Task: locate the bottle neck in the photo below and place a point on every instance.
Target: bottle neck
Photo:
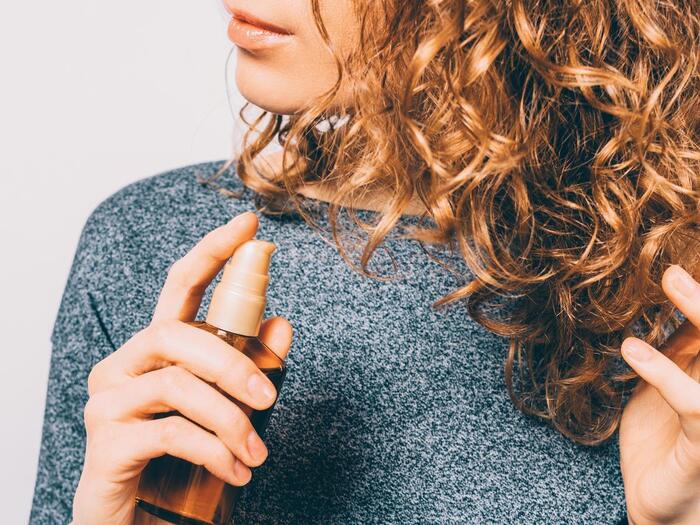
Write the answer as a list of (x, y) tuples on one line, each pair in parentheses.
[(236, 312), (238, 302)]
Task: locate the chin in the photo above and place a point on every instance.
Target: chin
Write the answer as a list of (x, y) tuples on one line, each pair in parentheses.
[(276, 88), (267, 85)]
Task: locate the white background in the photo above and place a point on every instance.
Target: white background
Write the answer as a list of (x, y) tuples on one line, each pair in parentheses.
[(93, 96)]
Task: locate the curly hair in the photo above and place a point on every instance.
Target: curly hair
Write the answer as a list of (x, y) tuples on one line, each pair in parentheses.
[(556, 144)]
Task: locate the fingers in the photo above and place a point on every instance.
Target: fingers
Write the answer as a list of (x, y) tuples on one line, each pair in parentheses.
[(174, 388), (189, 276), (684, 291), (176, 436), (276, 333), (679, 390), (202, 353)]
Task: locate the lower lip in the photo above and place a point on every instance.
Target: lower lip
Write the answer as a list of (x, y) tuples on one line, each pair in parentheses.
[(252, 37)]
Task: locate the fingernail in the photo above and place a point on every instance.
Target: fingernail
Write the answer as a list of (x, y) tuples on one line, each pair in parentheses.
[(242, 471), (684, 283), (256, 447), (260, 389), (637, 350)]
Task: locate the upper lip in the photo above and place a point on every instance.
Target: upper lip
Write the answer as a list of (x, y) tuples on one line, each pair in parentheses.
[(253, 20)]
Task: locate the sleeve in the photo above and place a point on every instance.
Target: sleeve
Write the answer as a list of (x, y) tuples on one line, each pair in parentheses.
[(78, 341)]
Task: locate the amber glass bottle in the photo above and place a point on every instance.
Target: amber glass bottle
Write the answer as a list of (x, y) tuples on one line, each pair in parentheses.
[(171, 488)]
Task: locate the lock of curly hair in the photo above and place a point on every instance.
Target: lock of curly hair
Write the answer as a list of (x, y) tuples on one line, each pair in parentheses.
[(556, 144)]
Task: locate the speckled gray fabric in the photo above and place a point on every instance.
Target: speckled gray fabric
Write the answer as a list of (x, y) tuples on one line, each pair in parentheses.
[(392, 411)]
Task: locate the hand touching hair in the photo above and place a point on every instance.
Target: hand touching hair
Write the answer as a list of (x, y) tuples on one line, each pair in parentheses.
[(555, 144)]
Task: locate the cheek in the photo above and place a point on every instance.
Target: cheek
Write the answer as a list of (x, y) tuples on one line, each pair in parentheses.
[(285, 80)]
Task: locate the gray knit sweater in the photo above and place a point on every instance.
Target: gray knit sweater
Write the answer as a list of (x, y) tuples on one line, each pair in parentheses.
[(392, 411)]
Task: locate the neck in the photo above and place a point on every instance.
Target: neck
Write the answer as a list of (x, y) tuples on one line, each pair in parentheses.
[(272, 163)]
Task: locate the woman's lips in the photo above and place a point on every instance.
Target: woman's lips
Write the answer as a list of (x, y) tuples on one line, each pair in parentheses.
[(251, 37), (251, 33)]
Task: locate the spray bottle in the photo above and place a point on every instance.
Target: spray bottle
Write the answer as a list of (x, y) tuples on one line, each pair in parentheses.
[(171, 488)]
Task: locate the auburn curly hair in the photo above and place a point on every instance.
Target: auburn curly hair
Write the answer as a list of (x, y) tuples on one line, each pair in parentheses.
[(556, 144)]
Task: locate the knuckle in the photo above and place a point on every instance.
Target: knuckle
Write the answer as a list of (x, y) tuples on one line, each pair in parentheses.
[(212, 237), (234, 420), (93, 412), (221, 455), (144, 332), (176, 271), (179, 275), (94, 378), (171, 429), (172, 378), (161, 331), (234, 365)]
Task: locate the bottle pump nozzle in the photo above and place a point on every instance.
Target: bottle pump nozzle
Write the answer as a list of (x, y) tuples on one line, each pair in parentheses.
[(238, 302)]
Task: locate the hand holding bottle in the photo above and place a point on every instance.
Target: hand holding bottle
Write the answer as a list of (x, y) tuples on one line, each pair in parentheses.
[(168, 366)]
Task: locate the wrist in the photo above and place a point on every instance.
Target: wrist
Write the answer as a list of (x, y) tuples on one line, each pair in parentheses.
[(97, 501)]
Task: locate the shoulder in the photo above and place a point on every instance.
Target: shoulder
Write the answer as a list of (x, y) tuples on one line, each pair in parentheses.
[(163, 194), (166, 199), (130, 239), (145, 223)]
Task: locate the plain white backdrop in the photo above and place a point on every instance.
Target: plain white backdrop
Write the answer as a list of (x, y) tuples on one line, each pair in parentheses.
[(93, 96)]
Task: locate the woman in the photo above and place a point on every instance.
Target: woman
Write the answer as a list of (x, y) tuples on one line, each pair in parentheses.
[(556, 151)]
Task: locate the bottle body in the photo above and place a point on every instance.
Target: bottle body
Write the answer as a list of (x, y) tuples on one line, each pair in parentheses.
[(180, 492)]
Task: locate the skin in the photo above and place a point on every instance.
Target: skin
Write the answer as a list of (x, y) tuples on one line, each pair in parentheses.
[(283, 79), (167, 364), (660, 428)]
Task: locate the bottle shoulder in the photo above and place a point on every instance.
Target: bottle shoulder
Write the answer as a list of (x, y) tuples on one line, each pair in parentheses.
[(251, 346)]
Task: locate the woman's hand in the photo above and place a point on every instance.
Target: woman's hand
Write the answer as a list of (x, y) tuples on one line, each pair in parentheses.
[(660, 428), (165, 367)]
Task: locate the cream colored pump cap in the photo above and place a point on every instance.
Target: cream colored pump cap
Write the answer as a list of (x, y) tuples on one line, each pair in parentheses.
[(238, 302)]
